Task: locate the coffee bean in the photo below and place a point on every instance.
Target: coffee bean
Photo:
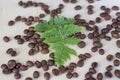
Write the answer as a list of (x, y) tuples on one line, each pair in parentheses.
[(88, 75), (17, 37), (94, 64), (69, 75), (24, 19), (82, 44), (118, 14), (9, 51), (115, 8), (42, 15), (78, 7), (47, 76), (87, 55), (90, 35), (92, 70), (20, 3), (66, 1), (99, 76), (80, 63), (36, 74), (116, 62), (90, 7), (15, 70), (17, 75), (28, 22), (109, 57), (90, 1), (118, 43), (117, 73), (18, 65), (36, 19), (75, 75), (20, 41), (45, 67), (51, 55), (90, 11), (26, 31), (38, 64), (14, 53), (94, 49), (18, 18), (31, 52), (77, 16), (36, 35), (61, 6), (105, 30), (29, 64), (11, 23), (107, 17), (91, 22), (6, 71), (115, 35), (97, 44), (107, 10), (28, 78), (4, 66), (31, 45), (107, 38), (23, 67), (109, 67), (55, 72), (6, 39), (101, 51), (44, 51), (50, 62), (11, 64), (103, 7), (117, 55), (98, 20), (73, 65), (108, 74)]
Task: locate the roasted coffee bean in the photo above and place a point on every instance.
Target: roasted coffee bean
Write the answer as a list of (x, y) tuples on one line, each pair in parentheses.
[(94, 64), (99, 76), (88, 75), (97, 44), (14, 53), (24, 19), (31, 28), (102, 7), (6, 71), (18, 65), (105, 30), (38, 64), (73, 1), (20, 41), (109, 57), (91, 22), (6, 39), (9, 51), (25, 31), (31, 52), (107, 38), (87, 55), (90, 35), (45, 67), (55, 72), (44, 51), (109, 67), (92, 70), (107, 17), (28, 22), (30, 3), (17, 37), (116, 62), (44, 62), (70, 69), (18, 18), (36, 74), (51, 55), (20, 3), (89, 28), (78, 7), (77, 16), (17, 75), (75, 74), (101, 51), (61, 6), (117, 73), (115, 8), (66, 1), (90, 7), (23, 67), (36, 35), (28, 78), (118, 43), (118, 14), (107, 10), (11, 64), (62, 69), (4, 66), (80, 63), (82, 44), (11, 23), (42, 15), (29, 64), (94, 49), (50, 62), (73, 65), (47, 76), (90, 1), (117, 55), (36, 19), (108, 74), (96, 39), (32, 45), (98, 20), (90, 11), (115, 35), (15, 70), (82, 36), (69, 75), (30, 33)]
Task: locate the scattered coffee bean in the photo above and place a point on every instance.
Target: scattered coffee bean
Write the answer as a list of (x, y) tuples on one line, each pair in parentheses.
[(51, 62), (109, 67), (99, 76), (28, 78), (11, 23), (4, 66), (90, 7), (101, 51), (55, 72), (94, 64), (117, 55), (92, 70), (38, 64), (90, 1), (23, 67), (45, 67), (69, 75), (31, 52), (118, 43), (6, 71), (116, 62), (36, 74), (62, 69), (29, 64), (11, 64), (44, 51), (75, 75), (115, 8), (108, 74), (6, 39), (82, 44), (17, 75), (98, 20), (73, 1), (20, 41), (15, 70), (80, 63), (94, 49), (78, 7), (42, 15), (9, 51), (117, 73), (109, 57), (18, 18), (14, 53), (66, 1), (47, 76)]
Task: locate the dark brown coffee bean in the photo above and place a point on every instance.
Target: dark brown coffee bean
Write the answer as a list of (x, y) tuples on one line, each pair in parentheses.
[(107, 38), (66, 1), (115, 8), (14, 53), (61, 6), (18, 18), (109, 57), (69, 75), (115, 35), (20, 41), (38, 64), (9, 51), (24, 19), (6, 71), (44, 51), (20, 3), (118, 43), (78, 7), (107, 17), (105, 30), (31, 52), (87, 55), (94, 64), (15, 70), (117, 55), (109, 67), (47, 76), (94, 49), (117, 73), (116, 62), (108, 74), (28, 22), (51, 55), (73, 1), (97, 44), (75, 74), (42, 15), (11, 23), (50, 62), (80, 63), (99, 76), (88, 75), (90, 35), (73, 65), (31, 45), (29, 64), (11, 64), (30, 3), (98, 20), (96, 39), (90, 11), (102, 7), (17, 37), (30, 33), (36, 19), (36, 35), (82, 44), (17, 75), (28, 78), (36, 74), (4, 66), (118, 14), (6, 39), (23, 67), (45, 67), (90, 7), (26, 31), (55, 72), (18, 65), (91, 22), (101, 51), (90, 1), (77, 16), (107, 10), (92, 70)]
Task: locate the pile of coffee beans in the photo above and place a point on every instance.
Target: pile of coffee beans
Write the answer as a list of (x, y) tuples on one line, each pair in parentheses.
[(36, 44)]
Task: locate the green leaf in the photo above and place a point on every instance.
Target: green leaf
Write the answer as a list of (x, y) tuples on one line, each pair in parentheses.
[(56, 32)]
